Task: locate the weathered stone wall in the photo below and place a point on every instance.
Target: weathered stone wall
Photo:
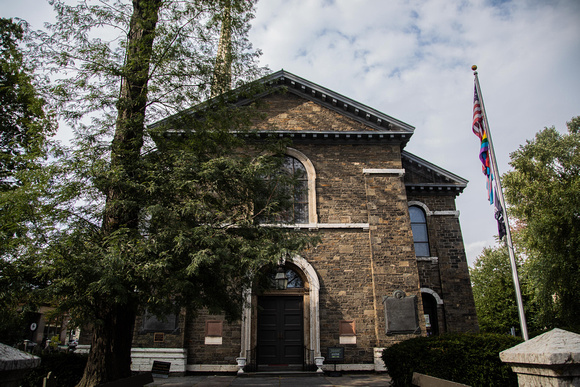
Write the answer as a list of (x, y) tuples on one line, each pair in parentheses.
[(198, 352), (174, 339), (449, 276), (286, 111), (372, 254)]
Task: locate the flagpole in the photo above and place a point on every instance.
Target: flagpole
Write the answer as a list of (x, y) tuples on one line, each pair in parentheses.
[(495, 171)]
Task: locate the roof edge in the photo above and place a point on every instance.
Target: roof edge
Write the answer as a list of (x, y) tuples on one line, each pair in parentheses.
[(451, 176)]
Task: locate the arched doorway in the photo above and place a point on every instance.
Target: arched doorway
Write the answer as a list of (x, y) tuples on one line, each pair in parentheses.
[(308, 295), (430, 311)]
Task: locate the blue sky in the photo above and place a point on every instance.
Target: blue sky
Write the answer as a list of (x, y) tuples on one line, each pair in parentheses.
[(411, 59)]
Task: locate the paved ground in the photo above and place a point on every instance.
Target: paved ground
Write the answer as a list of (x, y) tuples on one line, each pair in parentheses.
[(280, 380)]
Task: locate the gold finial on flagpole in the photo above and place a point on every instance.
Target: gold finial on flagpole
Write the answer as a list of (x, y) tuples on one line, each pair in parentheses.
[(474, 68)]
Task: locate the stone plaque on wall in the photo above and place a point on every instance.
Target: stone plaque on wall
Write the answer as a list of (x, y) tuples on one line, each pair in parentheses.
[(168, 325), (401, 313)]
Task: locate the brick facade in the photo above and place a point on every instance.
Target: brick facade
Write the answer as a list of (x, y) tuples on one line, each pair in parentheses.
[(364, 186)]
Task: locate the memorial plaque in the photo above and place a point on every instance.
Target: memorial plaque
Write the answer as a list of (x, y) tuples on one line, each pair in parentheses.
[(401, 314), (158, 337), (152, 324)]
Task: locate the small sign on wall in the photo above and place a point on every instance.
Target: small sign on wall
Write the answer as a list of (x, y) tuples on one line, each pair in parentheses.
[(160, 369)]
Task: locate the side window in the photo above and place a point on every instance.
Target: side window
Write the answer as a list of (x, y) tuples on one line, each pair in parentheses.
[(419, 227)]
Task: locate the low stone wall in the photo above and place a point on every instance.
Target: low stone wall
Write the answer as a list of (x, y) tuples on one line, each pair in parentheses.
[(212, 368), (142, 359)]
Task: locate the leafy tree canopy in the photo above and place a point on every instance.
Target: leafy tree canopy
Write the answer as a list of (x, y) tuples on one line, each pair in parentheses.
[(494, 293), (24, 124), (543, 191)]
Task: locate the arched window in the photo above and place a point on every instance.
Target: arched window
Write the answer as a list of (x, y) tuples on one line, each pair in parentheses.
[(298, 211), (419, 227), (295, 187)]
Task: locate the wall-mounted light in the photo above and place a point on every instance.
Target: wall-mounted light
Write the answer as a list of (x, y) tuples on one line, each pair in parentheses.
[(281, 279)]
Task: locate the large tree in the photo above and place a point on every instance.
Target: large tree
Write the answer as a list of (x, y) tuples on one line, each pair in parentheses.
[(24, 131), (494, 293), (137, 220), (543, 192)]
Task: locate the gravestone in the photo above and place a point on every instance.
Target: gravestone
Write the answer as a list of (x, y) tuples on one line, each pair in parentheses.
[(401, 314)]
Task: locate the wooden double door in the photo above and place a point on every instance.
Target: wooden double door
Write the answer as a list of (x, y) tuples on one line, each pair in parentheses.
[(280, 330)]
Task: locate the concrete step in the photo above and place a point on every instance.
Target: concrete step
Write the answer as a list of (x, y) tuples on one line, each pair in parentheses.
[(288, 373)]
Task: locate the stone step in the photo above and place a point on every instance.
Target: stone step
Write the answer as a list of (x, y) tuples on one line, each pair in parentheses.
[(281, 373)]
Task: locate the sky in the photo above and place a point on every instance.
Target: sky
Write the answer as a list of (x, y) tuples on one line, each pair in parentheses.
[(411, 59)]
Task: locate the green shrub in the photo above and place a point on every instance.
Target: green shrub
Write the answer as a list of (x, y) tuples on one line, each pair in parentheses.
[(463, 358), (67, 367)]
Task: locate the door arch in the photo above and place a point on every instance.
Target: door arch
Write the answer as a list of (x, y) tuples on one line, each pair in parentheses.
[(430, 312), (310, 307)]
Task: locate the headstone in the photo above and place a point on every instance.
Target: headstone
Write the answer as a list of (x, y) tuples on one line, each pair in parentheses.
[(401, 314)]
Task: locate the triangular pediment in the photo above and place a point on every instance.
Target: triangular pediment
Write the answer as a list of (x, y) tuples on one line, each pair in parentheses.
[(365, 123), (423, 176), (372, 119)]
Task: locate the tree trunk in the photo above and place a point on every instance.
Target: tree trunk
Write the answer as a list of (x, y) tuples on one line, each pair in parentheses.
[(110, 355), (123, 192)]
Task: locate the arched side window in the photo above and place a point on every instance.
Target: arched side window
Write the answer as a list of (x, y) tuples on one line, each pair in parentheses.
[(419, 227)]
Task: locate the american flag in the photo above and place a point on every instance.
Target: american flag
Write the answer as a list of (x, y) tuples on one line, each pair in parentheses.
[(477, 116)]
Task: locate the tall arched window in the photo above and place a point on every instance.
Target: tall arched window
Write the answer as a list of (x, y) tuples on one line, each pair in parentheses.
[(419, 227), (294, 188), (298, 211)]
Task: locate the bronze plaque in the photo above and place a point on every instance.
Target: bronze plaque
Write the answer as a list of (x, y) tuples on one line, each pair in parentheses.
[(401, 314)]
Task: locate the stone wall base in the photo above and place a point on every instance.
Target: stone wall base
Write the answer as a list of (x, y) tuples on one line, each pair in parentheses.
[(379, 363), (142, 359), (212, 368), (349, 367), (529, 375)]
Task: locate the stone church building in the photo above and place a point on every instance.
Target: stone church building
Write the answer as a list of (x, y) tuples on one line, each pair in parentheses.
[(390, 266)]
